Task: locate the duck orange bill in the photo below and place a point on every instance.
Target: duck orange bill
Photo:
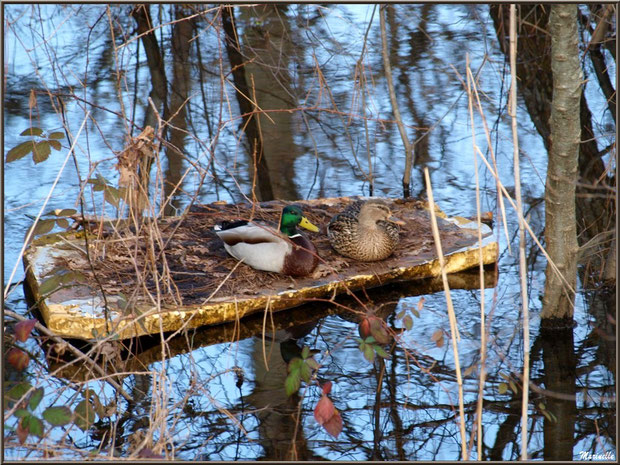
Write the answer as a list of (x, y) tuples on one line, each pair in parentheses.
[(304, 223), (393, 219)]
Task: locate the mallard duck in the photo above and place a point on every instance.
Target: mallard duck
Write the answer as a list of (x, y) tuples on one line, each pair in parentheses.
[(364, 231), (264, 248)]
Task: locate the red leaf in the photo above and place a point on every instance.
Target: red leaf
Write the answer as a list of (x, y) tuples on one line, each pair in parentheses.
[(23, 329), (18, 358), (22, 432), (327, 387), (324, 410), (334, 425)]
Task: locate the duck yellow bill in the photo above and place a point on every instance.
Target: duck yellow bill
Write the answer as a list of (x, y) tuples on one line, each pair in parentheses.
[(393, 219), (304, 223)]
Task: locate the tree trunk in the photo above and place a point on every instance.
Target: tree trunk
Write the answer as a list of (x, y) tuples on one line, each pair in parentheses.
[(565, 135)]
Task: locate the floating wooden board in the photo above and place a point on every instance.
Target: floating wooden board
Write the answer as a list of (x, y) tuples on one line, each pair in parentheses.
[(200, 284)]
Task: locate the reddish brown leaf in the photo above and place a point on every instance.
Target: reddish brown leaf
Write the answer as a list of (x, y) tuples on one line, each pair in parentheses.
[(23, 329), (324, 410), (438, 337), (327, 387), (378, 330), (420, 304), (18, 358), (364, 328), (334, 425), (22, 431), (32, 99)]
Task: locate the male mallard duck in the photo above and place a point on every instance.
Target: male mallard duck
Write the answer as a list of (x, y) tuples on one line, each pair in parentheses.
[(262, 247), (364, 231)]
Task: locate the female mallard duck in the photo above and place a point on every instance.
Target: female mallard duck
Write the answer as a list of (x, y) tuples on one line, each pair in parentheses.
[(262, 247), (364, 231)]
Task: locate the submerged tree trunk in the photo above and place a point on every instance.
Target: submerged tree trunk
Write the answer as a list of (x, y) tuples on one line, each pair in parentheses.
[(159, 89), (560, 221)]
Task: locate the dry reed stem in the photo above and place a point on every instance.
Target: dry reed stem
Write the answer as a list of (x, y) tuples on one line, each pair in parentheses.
[(453, 327), (512, 110), (483, 338)]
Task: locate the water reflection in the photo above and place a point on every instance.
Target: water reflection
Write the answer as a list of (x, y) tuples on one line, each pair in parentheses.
[(314, 74)]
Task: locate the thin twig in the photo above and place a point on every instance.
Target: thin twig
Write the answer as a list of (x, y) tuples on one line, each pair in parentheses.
[(77, 352), (512, 111), (452, 317)]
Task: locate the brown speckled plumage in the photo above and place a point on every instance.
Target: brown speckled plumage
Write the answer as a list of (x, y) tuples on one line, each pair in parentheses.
[(363, 231)]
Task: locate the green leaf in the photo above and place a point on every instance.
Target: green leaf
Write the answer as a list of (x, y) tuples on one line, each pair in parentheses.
[(295, 364), (17, 391), (381, 352), (44, 226), (370, 340), (50, 284), (408, 322), (62, 222), (97, 184), (292, 383), (312, 363), (55, 144), (34, 131), (35, 398), (41, 151), (401, 314), (502, 388), (19, 151), (58, 416), (111, 195), (34, 425), (369, 353), (305, 352), (65, 212), (306, 372), (22, 412), (542, 406), (57, 135), (84, 415)]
